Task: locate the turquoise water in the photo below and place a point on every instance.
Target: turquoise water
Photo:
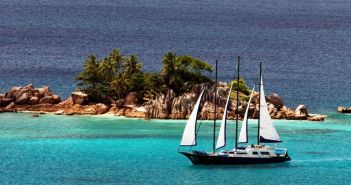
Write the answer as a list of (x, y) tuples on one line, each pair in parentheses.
[(110, 150)]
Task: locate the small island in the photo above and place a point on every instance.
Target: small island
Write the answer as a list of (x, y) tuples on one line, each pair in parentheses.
[(117, 85), (342, 109)]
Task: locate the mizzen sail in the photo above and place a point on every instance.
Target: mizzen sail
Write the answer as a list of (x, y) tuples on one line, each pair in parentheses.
[(267, 131), (189, 134)]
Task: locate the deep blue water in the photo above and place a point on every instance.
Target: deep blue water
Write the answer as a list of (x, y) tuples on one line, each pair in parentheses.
[(97, 150), (304, 45)]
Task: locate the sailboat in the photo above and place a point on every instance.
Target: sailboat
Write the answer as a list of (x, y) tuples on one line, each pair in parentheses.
[(252, 154)]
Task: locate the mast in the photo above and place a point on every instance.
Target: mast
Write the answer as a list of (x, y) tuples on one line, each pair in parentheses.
[(259, 106), (215, 113), (237, 104)]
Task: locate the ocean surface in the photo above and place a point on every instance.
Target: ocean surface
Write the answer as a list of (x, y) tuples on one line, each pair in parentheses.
[(304, 46), (109, 150)]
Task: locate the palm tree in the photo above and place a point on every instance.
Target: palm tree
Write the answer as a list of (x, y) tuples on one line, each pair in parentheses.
[(90, 75), (116, 58), (119, 86), (110, 66), (116, 75), (132, 66), (169, 68)]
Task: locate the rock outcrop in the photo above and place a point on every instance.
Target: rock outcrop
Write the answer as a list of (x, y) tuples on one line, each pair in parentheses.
[(33, 100), (301, 110), (120, 103), (276, 101), (170, 107), (5, 101), (131, 98), (10, 106), (79, 98), (93, 109), (344, 109), (162, 106), (28, 95), (317, 117), (51, 99), (23, 99)]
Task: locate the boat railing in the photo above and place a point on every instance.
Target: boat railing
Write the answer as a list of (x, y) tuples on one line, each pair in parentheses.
[(280, 151)]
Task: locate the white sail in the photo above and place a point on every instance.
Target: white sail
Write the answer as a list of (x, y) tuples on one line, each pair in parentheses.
[(243, 137), (221, 140), (189, 134), (267, 131)]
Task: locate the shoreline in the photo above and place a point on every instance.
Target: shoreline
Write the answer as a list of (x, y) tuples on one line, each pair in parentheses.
[(110, 115), (164, 106), (115, 117)]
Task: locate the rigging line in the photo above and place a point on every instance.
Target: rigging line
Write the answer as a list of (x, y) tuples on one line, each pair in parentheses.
[(237, 104), (197, 132), (200, 123), (256, 78)]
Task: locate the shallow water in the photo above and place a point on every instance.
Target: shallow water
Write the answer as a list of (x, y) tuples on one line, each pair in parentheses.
[(109, 150)]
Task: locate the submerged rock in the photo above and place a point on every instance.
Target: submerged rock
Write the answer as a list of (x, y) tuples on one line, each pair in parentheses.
[(317, 117)]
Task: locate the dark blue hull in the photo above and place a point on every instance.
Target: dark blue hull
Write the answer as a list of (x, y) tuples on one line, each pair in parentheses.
[(206, 159)]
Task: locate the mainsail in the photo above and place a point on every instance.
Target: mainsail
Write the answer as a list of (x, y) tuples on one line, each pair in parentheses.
[(243, 137), (189, 134), (267, 131), (221, 140)]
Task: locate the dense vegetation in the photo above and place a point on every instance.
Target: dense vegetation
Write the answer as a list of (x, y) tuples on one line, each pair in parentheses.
[(243, 88), (117, 74)]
